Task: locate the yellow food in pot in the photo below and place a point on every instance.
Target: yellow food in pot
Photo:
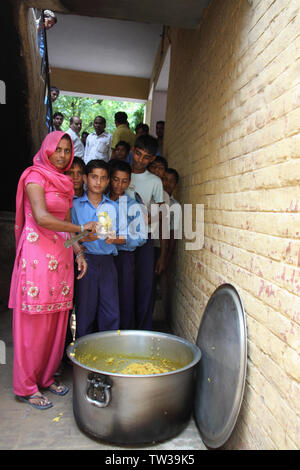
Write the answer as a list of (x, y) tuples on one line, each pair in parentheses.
[(143, 369), (110, 360), (127, 365)]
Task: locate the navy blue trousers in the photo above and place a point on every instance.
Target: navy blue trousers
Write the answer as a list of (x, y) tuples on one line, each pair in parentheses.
[(97, 297), (125, 263), (135, 278)]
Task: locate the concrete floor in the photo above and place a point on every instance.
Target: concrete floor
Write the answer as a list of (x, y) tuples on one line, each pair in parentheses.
[(24, 427)]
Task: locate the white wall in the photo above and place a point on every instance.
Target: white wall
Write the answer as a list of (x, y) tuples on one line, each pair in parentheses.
[(159, 105)]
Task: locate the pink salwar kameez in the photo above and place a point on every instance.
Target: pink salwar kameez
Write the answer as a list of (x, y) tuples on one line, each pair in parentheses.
[(41, 292)]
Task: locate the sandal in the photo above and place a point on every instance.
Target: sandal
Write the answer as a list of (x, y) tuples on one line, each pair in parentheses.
[(63, 389), (47, 404)]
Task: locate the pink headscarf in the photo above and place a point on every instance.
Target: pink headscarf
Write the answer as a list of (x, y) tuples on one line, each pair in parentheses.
[(41, 163)]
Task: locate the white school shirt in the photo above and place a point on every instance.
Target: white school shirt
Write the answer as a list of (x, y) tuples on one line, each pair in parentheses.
[(148, 186), (77, 144), (97, 147)]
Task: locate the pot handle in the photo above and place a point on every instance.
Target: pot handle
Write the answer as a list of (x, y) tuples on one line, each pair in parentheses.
[(99, 390)]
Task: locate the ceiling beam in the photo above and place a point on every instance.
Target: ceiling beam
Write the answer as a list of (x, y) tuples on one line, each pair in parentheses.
[(100, 84)]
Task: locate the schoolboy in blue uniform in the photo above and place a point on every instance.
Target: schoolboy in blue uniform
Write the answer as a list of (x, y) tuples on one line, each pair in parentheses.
[(133, 227), (96, 297), (149, 188), (76, 172)]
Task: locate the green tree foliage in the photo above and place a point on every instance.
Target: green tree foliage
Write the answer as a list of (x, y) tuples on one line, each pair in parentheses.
[(88, 108)]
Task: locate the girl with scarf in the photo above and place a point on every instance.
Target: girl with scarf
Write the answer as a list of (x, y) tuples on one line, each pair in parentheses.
[(41, 290)]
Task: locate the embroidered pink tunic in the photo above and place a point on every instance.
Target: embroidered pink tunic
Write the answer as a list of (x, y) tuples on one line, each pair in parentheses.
[(46, 274), (41, 291)]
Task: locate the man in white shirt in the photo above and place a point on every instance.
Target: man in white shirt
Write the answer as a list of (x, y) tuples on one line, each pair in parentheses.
[(98, 144), (74, 133)]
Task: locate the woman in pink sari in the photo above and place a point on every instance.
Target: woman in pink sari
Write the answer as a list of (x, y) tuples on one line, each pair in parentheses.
[(41, 291)]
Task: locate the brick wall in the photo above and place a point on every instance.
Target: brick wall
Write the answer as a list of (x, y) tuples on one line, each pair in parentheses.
[(232, 132)]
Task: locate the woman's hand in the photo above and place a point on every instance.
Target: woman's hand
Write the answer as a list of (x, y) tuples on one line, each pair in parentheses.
[(90, 226), (81, 265)]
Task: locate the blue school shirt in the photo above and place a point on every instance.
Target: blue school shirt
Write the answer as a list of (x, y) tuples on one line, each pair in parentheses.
[(83, 211), (131, 223)]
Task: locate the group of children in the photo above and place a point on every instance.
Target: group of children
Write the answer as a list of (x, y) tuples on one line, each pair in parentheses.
[(117, 291)]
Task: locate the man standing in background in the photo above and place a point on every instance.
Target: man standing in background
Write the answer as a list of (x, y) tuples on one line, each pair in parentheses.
[(54, 94), (98, 143), (74, 133), (122, 132), (84, 136), (58, 119), (160, 129)]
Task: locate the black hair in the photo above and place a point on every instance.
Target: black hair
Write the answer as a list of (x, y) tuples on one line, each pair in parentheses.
[(148, 143), (172, 171), (143, 126), (124, 144), (84, 132), (58, 114), (121, 117), (101, 117), (54, 88), (160, 122), (161, 159), (93, 164), (119, 165), (78, 161)]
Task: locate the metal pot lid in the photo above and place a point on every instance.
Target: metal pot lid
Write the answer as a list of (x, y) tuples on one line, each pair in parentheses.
[(221, 372)]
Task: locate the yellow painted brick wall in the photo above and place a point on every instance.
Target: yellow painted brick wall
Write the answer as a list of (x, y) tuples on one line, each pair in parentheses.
[(232, 132)]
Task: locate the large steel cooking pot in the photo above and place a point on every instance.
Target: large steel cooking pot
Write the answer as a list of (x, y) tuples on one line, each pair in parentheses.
[(134, 409)]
